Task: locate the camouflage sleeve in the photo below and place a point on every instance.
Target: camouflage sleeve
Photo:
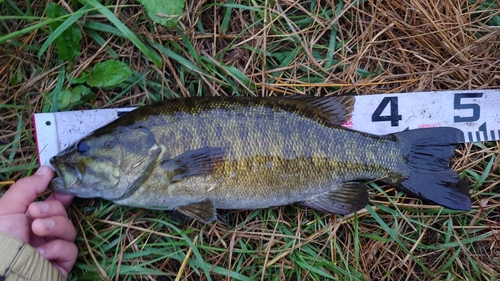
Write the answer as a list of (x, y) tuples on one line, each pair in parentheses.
[(20, 261)]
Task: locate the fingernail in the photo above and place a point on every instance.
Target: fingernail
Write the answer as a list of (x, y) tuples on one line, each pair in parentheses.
[(40, 250), (49, 223), (43, 207), (42, 170)]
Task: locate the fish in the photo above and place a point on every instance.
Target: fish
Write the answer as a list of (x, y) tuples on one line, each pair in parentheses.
[(197, 155)]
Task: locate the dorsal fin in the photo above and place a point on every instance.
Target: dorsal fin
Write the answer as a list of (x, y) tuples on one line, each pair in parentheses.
[(334, 109)]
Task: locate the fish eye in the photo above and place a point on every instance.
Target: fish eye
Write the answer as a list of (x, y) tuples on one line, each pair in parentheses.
[(82, 146)]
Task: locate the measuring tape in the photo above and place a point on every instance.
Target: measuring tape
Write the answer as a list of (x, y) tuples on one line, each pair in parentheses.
[(476, 113)]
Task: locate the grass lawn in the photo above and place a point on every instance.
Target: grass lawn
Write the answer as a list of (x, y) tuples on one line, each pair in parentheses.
[(111, 54)]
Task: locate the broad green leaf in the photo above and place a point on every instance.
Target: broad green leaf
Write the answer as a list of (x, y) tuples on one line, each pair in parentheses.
[(68, 42), (80, 79), (68, 23), (108, 74), (74, 97), (166, 13)]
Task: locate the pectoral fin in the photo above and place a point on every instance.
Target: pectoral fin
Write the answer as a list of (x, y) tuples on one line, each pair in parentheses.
[(350, 197), (204, 211), (195, 162)]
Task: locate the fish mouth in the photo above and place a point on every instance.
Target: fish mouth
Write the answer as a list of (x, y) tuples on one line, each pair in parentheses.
[(57, 184), (68, 176), (55, 166)]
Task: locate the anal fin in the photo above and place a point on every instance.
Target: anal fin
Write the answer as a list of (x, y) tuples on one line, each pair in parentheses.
[(204, 211), (350, 197)]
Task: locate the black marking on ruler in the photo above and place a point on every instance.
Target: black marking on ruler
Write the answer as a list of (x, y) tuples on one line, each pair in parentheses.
[(482, 128), (492, 132), (469, 134)]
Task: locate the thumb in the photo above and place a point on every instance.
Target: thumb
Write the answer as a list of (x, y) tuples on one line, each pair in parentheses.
[(24, 191)]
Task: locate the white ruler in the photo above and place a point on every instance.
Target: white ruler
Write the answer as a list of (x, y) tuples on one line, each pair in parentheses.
[(476, 113)]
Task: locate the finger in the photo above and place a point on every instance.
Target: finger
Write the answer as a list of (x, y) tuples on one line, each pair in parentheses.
[(59, 227), (65, 199), (24, 191), (45, 209), (62, 254)]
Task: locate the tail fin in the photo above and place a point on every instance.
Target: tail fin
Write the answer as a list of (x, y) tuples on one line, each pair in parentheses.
[(430, 177)]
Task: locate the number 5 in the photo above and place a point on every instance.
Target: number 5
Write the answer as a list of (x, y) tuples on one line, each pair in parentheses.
[(458, 105)]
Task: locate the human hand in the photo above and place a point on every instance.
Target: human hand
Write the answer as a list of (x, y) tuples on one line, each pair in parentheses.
[(43, 225)]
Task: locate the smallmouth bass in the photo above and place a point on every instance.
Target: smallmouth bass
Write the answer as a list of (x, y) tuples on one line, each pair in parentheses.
[(196, 155)]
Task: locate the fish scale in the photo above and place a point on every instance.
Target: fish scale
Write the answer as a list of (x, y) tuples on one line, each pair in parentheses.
[(199, 154)]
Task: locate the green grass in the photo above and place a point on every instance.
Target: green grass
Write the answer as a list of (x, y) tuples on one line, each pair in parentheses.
[(261, 47)]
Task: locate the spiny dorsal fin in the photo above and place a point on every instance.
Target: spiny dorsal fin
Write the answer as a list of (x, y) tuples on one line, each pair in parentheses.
[(334, 110), (350, 197)]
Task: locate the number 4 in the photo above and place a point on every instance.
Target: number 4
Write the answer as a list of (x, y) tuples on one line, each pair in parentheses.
[(394, 116)]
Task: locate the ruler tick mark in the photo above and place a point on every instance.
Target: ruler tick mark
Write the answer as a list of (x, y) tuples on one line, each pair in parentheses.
[(483, 129)]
